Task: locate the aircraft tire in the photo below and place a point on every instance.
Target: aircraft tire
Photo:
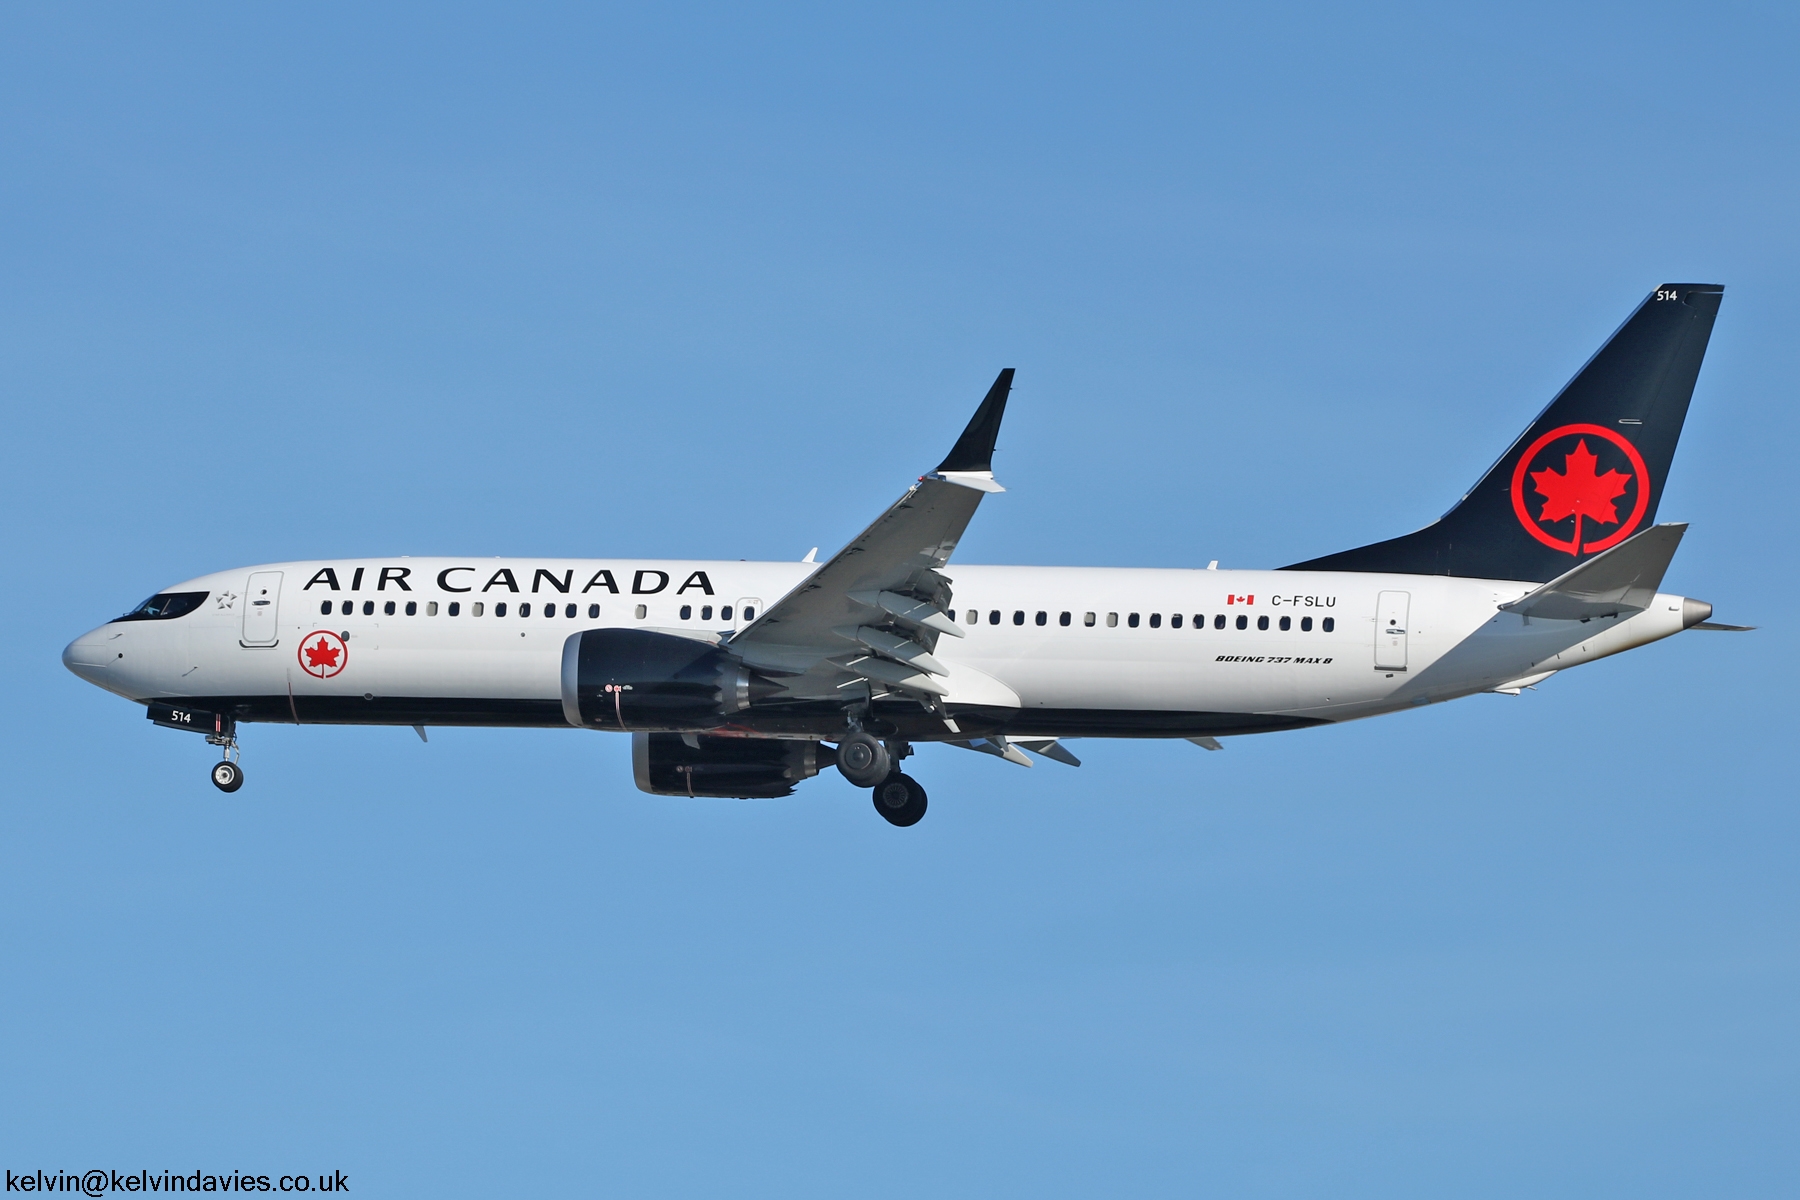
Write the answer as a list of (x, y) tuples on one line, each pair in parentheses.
[(900, 800), (863, 760), (227, 776)]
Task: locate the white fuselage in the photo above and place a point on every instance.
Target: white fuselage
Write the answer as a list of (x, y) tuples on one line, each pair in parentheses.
[(1134, 642)]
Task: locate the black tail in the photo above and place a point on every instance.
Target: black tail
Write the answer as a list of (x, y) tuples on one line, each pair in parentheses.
[(1589, 471)]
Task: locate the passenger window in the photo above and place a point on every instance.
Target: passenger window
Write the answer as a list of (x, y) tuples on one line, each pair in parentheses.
[(749, 613), (994, 617), (687, 612), (412, 608), (1043, 618), (388, 608), (1112, 620), (1174, 620), (524, 609), (1132, 620), (1287, 623), (1219, 621), (455, 608), (1087, 619), (1305, 624), (725, 612), (971, 617), (500, 609), (1328, 624), (1243, 622), (569, 611), (477, 608), (1156, 620), (642, 611), (593, 612), (1199, 620), (1018, 616), (431, 608), (368, 608), (325, 609), (1064, 619), (347, 608), (1262, 622), (706, 612)]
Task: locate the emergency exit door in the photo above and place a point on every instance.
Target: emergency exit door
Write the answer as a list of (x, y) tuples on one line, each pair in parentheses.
[(746, 613), (262, 599), (1390, 631)]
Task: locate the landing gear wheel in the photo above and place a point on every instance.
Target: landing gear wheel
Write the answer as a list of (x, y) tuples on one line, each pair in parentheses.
[(227, 776), (863, 760), (900, 800)]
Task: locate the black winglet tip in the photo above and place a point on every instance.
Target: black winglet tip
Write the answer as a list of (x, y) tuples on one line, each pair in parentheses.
[(974, 450)]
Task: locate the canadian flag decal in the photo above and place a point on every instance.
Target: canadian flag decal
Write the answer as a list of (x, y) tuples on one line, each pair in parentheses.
[(1240, 599)]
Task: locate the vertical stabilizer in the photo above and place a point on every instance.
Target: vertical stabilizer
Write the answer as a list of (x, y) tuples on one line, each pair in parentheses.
[(1586, 475)]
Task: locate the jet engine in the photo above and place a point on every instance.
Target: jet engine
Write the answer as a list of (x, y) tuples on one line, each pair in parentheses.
[(646, 681), (678, 764)]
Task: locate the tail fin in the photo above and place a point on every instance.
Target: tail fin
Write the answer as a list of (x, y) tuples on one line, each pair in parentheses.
[(1589, 471)]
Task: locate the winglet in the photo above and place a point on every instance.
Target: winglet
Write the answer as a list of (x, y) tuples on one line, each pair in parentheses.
[(974, 450)]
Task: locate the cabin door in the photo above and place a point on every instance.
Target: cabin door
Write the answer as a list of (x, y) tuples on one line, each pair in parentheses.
[(1390, 631), (262, 599)]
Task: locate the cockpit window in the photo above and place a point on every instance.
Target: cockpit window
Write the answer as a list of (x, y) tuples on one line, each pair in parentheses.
[(165, 606)]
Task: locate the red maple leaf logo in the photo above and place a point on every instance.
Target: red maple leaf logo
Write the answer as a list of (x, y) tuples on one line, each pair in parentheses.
[(322, 655), (1578, 492)]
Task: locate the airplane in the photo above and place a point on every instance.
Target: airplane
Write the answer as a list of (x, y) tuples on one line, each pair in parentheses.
[(742, 679)]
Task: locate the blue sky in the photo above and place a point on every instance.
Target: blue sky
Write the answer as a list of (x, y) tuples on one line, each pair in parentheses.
[(705, 282)]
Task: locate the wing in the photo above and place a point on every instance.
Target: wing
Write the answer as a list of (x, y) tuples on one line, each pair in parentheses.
[(874, 612)]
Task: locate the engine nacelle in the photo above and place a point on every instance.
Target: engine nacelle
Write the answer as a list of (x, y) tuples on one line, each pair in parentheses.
[(639, 679), (675, 764)]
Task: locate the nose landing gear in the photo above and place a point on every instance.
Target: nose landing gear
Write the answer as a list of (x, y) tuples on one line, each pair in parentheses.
[(227, 776)]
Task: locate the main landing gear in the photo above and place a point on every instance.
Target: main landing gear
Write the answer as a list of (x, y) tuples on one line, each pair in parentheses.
[(900, 800), (863, 760), (867, 762)]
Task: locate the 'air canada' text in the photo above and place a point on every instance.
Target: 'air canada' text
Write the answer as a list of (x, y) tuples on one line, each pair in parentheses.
[(645, 581)]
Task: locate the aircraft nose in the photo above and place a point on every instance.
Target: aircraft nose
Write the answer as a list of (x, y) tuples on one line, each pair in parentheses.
[(91, 654)]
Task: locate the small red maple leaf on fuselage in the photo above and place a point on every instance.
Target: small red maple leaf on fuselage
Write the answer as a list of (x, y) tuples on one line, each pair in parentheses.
[(1578, 492), (322, 655)]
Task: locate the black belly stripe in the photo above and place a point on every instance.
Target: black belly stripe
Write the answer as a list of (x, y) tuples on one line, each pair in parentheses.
[(814, 719)]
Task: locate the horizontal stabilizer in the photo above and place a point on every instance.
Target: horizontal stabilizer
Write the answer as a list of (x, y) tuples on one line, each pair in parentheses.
[(1622, 580), (1721, 627)]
